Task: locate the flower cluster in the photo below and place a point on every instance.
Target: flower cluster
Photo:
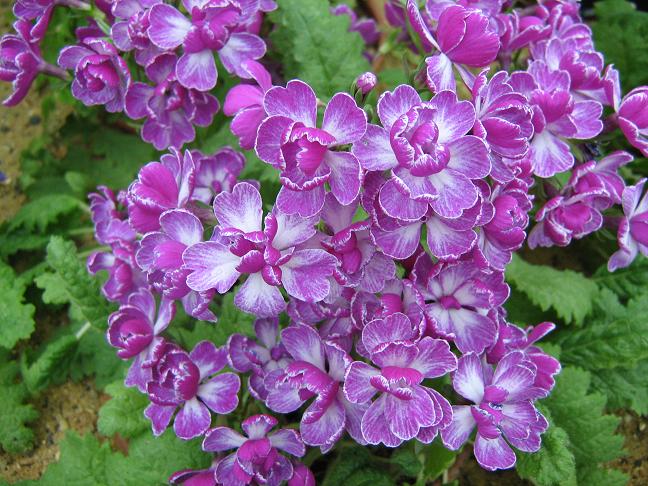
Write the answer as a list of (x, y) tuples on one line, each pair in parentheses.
[(384, 251)]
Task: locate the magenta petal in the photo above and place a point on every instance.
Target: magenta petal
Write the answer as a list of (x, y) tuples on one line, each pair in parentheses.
[(344, 120), (375, 427), (221, 439), (305, 276), (168, 27), (257, 297), (296, 102), (406, 417), (455, 193), (208, 358), (550, 155), (374, 150), (434, 359), (400, 206), (393, 104), (269, 139), (192, 420), (469, 156), (357, 387), (284, 400), (241, 47), (240, 209), (327, 429), (221, 393), (213, 266), (493, 454), (304, 203), (197, 70), (304, 344), (454, 117), (439, 75), (288, 440), (160, 416), (468, 380), (346, 176), (459, 430), (400, 243), (182, 226)]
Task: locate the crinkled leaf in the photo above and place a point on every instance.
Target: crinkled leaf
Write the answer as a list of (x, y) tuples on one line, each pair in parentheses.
[(124, 412), (16, 317), (316, 46), (43, 211), (82, 289), (53, 288), (438, 459), (52, 365), (407, 459), (95, 358), (569, 293), (624, 387), (15, 436), (625, 282)]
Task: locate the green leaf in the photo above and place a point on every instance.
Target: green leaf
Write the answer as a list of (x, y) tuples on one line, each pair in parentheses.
[(82, 289), (624, 387), (569, 293), (51, 365), (407, 459), (232, 320), (625, 282), (124, 412), (40, 213), (438, 459), (316, 46), (347, 461), (83, 462), (53, 288), (621, 34), (553, 464), (97, 359), (580, 413), (15, 436), (16, 317), (151, 460), (610, 341)]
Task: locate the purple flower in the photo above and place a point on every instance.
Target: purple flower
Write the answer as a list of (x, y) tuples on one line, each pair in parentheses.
[(216, 173), (101, 77), (245, 103), (633, 118), (188, 381), (458, 299), (512, 338), (366, 27), (210, 29), (463, 37), (302, 476), (160, 186), (129, 31), (111, 224), (503, 116), (360, 264), (195, 477), (405, 409), (257, 459), (517, 32), (503, 408), (366, 82), (269, 257), (170, 109), (562, 219), (41, 11), (260, 357), (135, 331), (556, 117), (505, 232), (425, 144), (21, 61), (633, 229), (290, 142), (316, 372)]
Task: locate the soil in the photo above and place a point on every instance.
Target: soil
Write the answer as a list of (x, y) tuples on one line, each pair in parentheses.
[(635, 464), (71, 406)]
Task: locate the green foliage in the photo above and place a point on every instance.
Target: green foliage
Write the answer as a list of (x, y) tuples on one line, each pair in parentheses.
[(591, 434), (621, 34), (436, 460), (53, 288), (351, 465), (553, 464), (51, 365), (16, 317), (610, 341), (124, 413), (569, 293), (151, 460), (95, 358), (316, 46), (81, 288), (38, 214), (625, 282), (15, 436), (625, 387)]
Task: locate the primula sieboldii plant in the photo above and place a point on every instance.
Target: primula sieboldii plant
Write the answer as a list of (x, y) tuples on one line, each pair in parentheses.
[(376, 272)]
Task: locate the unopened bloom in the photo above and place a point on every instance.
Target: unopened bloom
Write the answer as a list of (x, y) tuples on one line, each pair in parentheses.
[(257, 459), (366, 82), (189, 381), (101, 76), (290, 141), (633, 229), (405, 408), (503, 408)]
